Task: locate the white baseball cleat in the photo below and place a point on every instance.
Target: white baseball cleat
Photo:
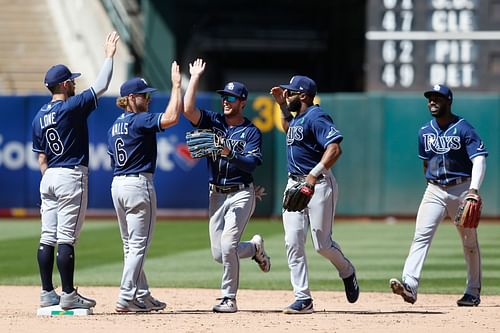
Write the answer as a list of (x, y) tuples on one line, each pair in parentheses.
[(260, 256), (49, 298), (153, 303), (74, 300), (134, 305), (227, 305), (402, 289)]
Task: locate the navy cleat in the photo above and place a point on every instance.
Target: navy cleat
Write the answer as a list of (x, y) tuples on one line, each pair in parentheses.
[(469, 300), (300, 306)]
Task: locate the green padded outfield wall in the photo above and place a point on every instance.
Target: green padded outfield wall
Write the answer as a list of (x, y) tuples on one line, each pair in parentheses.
[(379, 172)]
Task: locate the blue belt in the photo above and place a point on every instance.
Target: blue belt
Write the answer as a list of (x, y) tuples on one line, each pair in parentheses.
[(452, 182), (228, 188)]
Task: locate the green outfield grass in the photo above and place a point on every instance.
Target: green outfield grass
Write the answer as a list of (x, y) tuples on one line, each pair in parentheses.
[(180, 256)]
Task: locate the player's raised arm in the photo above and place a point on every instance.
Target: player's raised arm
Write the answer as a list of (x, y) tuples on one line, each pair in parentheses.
[(171, 115), (280, 98), (191, 112), (101, 84)]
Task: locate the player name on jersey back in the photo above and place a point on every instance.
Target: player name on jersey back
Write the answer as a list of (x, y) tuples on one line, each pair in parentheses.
[(48, 120), (119, 129)]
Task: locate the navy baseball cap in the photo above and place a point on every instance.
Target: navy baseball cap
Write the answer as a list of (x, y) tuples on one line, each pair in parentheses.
[(237, 89), (58, 74), (301, 83), (137, 85), (440, 89)]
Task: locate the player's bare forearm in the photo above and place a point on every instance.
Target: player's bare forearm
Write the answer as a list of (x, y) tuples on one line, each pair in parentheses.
[(330, 156), (42, 162), (286, 116), (172, 113), (279, 97), (284, 124), (191, 112)]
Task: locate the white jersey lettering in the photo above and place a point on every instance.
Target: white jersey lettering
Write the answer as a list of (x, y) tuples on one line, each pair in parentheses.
[(295, 133), (441, 144), (120, 129), (47, 120)]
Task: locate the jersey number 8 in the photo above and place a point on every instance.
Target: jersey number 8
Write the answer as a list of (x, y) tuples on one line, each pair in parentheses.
[(54, 141)]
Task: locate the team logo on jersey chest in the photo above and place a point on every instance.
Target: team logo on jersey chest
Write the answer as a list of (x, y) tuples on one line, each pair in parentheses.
[(441, 144), (237, 145), (295, 133)]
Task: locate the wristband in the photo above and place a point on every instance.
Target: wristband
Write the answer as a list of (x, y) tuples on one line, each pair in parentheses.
[(318, 169)]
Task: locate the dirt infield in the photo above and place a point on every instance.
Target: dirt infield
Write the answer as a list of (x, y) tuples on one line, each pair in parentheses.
[(189, 310)]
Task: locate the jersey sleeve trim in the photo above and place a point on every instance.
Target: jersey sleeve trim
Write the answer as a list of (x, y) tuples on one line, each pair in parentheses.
[(94, 95), (335, 139), (485, 153), (159, 123)]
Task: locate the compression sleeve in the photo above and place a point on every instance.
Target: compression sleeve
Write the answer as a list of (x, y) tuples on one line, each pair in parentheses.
[(101, 84), (478, 171)]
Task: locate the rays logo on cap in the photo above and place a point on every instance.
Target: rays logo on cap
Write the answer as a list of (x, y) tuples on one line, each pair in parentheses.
[(230, 86), (437, 87)]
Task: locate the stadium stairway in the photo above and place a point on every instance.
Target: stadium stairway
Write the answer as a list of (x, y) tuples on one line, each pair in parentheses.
[(29, 45)]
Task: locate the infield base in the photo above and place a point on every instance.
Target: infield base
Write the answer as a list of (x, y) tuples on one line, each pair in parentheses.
[(56, 310)]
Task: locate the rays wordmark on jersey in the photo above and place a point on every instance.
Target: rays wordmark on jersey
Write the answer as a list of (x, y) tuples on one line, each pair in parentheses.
[(237, 145), (441, 144), (295, 133)]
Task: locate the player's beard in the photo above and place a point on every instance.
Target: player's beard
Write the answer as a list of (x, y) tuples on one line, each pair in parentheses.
[(143, 107), (441, 111), (294, 105)]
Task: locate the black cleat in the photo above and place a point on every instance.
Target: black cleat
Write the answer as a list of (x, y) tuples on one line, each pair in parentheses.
[(469, 300), (351, 288)]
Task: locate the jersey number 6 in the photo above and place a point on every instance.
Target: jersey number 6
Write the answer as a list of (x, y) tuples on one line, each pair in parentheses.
[(120, 153)]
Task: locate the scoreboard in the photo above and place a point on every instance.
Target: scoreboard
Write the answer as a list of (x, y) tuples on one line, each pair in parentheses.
[(413, 44)]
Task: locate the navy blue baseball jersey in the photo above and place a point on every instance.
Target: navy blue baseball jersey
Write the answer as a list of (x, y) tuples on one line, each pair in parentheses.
[(449, 151), (132, 142), (244, 140), (307, 138), (60, 130)]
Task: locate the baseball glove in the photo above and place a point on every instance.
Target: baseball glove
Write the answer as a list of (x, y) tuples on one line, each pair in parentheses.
[(204, 143), (469, 211), (297, 197)]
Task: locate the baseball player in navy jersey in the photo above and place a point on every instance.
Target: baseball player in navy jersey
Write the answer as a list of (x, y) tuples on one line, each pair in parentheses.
[(60, 137), (313, 147), (232, 194), (132, 146), (454, 160)]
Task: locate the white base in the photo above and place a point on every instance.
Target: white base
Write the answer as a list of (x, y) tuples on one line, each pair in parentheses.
[(56, 310)]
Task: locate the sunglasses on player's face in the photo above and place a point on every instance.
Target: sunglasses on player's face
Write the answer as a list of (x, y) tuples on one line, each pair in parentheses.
[(291, 93), (229, 98), (146, 96)]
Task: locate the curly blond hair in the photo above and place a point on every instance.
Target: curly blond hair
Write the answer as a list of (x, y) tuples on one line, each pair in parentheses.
[(122, 102)]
